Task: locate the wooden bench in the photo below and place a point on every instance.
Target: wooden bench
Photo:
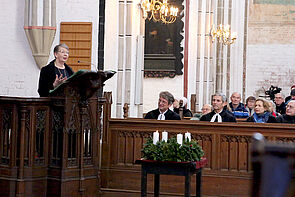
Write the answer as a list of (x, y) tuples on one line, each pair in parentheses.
[(226, 146)]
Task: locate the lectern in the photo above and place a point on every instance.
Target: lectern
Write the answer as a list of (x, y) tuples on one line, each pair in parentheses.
[(50, 146)]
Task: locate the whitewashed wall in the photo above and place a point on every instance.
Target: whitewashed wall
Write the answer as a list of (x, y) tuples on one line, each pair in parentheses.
[(153, 86), (18, 72)]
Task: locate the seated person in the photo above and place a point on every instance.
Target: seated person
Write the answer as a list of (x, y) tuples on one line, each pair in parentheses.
[(186, 112), (289, 117), (289, 97), (272, 108), (218, 114), (207, 108), (238, 108), (280, 104), (250, 104), (163, 112), (292, 96), (261, 112)]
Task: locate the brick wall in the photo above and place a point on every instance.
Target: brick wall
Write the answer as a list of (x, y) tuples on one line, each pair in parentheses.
[(271, 47), (271, 64)]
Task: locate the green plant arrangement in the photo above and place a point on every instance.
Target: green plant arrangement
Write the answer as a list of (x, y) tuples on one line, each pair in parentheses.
[(189, 151)]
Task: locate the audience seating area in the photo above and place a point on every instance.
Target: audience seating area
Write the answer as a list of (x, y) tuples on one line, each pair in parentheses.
[(227, 147), (33, 165)]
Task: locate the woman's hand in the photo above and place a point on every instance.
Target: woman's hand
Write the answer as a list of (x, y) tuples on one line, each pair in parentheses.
[(58, 80)]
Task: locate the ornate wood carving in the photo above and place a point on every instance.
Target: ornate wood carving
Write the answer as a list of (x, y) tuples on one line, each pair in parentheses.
[(45, 151), (57, 138), (40, 138), (27, 138), (235, 138), (6, 136), (286, 139), (87, 134)]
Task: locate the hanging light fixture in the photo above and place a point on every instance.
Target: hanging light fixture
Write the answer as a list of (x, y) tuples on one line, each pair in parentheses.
[(159, 11), (223, 34)]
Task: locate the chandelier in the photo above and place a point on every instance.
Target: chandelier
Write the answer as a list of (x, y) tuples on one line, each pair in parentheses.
[(159, 11), (223, 34)]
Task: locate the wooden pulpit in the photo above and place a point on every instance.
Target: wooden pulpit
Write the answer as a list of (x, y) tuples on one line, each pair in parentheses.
[(50, 146)]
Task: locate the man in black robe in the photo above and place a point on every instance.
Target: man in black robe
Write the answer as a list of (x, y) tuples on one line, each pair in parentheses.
[(219, 114), (163, 112)]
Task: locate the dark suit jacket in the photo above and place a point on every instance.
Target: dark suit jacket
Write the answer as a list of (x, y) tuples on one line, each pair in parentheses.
[(47, 77), (169, 115), (286, 119), (226, 116)]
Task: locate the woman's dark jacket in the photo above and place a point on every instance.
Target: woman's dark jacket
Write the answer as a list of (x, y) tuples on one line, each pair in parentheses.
[(47, 77), (271, 119), (186, 112)]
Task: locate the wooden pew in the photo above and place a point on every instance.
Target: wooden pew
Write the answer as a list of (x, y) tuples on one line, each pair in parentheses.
[(226, 146)]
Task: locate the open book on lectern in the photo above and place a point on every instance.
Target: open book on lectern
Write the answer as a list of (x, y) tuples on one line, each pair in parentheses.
[(86, 79)]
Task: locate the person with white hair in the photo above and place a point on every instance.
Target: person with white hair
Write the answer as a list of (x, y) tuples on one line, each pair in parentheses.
[(280, 104), (289, 117), (176, 106), (56, 72)]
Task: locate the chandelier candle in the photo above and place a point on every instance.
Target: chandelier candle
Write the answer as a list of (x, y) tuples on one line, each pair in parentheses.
[(179, 138), (187, 135), (155, 137), (164, 136)]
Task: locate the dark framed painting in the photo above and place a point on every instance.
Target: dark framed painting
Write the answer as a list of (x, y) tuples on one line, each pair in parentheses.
[(163, 52)]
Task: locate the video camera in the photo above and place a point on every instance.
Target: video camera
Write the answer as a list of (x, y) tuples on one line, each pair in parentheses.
[(272, 91)]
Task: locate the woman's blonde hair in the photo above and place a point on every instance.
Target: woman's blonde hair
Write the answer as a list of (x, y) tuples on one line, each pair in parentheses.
[(265, 103)]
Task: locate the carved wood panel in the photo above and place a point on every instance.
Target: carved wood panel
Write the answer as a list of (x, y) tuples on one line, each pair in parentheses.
[(6, 136), (40, 138), (235, 153), (57, 138)]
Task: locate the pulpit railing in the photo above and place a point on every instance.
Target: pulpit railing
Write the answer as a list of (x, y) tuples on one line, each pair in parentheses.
[(50, 146)]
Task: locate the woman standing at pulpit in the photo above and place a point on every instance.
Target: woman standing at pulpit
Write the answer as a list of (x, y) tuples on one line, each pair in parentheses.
[(56, 72), (262, 112)]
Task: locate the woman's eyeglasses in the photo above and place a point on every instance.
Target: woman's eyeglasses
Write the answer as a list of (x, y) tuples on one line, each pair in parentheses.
[(64, 52)]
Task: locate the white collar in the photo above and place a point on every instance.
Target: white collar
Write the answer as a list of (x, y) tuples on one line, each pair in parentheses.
[(164, 111)]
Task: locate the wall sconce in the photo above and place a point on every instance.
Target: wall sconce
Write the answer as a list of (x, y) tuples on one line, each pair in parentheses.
[(223, 34), (159, 11)]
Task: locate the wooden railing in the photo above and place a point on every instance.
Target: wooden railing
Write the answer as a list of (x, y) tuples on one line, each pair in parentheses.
[(51, 146), (226, 146)]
